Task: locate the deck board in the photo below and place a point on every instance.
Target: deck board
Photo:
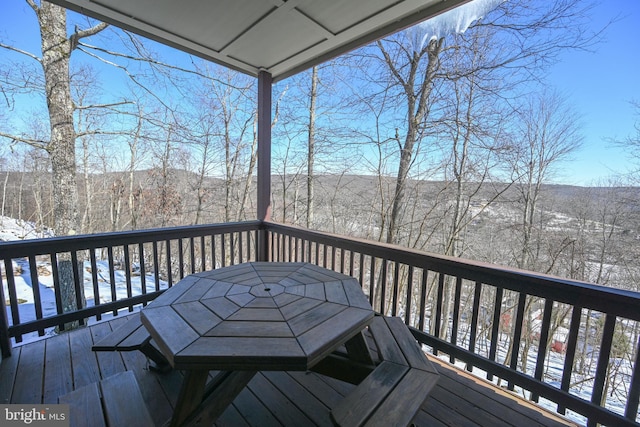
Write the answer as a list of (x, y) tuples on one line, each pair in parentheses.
[(39, 370), (57, 377), (85, 363), (28, 385), (8, 370)]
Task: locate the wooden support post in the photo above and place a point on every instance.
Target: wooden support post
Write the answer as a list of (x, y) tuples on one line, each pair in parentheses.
[(264, 161), (5, 341)]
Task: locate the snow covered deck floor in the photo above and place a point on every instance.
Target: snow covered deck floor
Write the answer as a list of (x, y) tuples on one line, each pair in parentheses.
[(40, 371)]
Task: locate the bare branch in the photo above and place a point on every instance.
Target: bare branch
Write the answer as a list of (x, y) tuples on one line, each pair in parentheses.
[(90, 31), (101, 132), (77, 35), (91, 106), (20, 51), (33, 5), (148, 60), (32, 142)]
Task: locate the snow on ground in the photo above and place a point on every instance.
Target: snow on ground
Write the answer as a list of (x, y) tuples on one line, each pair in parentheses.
[(12, 230), (16, 229)]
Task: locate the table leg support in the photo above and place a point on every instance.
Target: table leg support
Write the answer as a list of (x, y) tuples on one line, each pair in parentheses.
[(225, 387), (191, 394), (358, 349)]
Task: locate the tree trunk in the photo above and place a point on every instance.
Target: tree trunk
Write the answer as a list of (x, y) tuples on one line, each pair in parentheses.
[(56, 53), (417, 102), (4, 191), (312, 146)]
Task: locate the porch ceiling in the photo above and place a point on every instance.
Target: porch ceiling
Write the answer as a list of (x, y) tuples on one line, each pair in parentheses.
[(277, 36)]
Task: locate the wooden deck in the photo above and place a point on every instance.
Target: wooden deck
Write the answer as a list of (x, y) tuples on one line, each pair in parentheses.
[(40, 371)]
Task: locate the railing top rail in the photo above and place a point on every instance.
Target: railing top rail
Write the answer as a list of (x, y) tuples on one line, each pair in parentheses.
[(621, 302), (24, 248)]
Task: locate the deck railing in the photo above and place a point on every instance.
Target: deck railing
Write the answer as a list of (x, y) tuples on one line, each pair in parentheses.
[(569, 345), (119, 270)]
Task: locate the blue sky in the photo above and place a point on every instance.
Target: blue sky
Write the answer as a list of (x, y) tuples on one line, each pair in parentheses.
[(599, 84)]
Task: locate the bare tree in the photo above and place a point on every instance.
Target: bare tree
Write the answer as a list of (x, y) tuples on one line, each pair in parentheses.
[(311, 146), (416, 84), (57, 47), (632, 145), (548, 134), (525, 38)]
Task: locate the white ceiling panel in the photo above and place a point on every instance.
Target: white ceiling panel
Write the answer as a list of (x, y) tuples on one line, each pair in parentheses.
[(281, 37)]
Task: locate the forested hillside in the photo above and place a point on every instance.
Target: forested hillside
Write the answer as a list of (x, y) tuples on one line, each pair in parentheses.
[(582, 233)]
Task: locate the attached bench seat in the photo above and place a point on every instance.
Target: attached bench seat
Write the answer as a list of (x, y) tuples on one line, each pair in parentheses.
[(114, 401), (134, 336), (396, 389)]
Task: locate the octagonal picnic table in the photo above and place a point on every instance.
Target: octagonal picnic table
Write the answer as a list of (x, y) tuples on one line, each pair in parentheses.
[(250, 317)]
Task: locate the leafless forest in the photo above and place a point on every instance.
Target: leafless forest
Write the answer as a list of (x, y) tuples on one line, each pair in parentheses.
[(451, 144), (582, 233)]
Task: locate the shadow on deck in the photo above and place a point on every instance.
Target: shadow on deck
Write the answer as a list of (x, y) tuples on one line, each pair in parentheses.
[(40, 371)]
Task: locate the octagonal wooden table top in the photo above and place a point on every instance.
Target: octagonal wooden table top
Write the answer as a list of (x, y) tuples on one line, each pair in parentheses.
[(257, 316)]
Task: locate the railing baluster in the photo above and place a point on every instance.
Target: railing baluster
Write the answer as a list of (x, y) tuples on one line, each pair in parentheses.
[(439, 301), (633, 399), (94, 280), (56, 289), (408, 295), (232, 248), (495, 328), (223, 250), (127, 273), (333, 258), (112, 276), (13, 297), (5, 339), (395, 289), (203, 254), (372, 278), (77, 270), (169, 266), (477, 294), (569, 357), (214, 262), (180, 259), (517, 335), (361, 272), (383, 285), (156, 265), (275, 246), (35, 286), (456, 314), (192, 254), (423, 298), (608, 332), (306, 247), (352, 257), (143, 270)]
